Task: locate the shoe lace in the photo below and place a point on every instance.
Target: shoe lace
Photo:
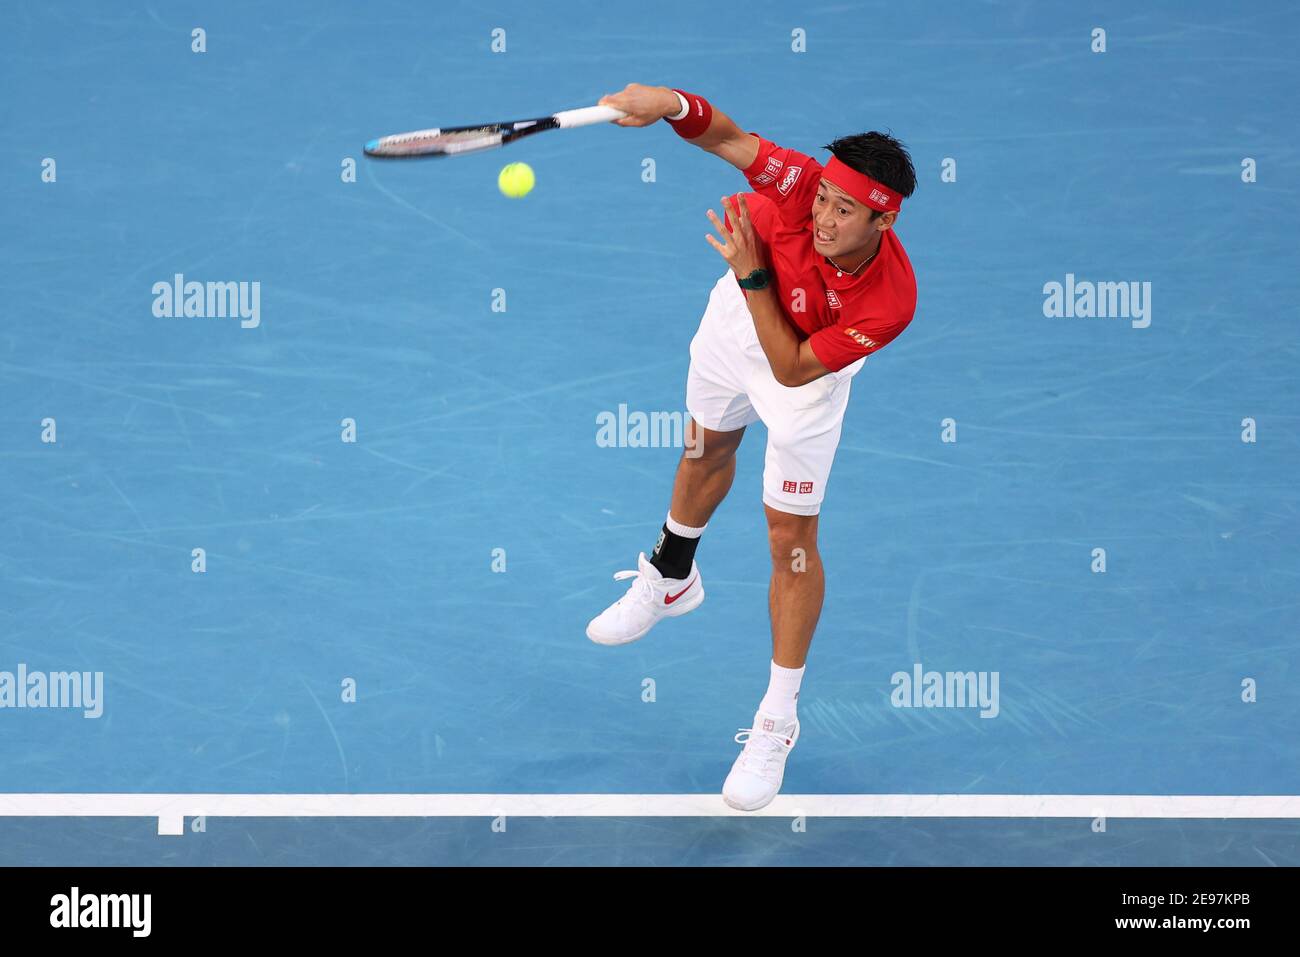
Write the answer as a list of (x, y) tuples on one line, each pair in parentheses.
[(641, 589), (763, 750)]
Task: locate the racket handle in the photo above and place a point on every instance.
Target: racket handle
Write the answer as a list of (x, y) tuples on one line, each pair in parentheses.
[(587, 116)]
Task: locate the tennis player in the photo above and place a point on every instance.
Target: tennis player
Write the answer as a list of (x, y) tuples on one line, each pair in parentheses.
[(817, 282)]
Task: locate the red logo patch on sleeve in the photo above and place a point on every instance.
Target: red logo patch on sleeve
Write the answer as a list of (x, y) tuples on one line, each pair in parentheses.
[(770, 172)]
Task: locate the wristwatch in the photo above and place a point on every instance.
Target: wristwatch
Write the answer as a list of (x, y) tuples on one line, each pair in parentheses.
[(758, 279)]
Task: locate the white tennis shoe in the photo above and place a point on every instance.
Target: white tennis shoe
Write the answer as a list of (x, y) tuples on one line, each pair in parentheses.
[(651, 598), (756, 776)]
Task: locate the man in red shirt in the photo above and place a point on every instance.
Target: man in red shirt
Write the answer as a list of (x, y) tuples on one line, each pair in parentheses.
[(817, 282)]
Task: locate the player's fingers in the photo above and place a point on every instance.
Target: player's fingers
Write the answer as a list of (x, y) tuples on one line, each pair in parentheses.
[(713, 217), (739, 219), (717, 245), (616, 100), (744, 212), (740, 231), (619, 102)]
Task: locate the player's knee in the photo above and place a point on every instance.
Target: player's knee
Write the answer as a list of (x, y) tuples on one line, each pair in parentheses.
[(711, 450), (792, 538), (708, 462)]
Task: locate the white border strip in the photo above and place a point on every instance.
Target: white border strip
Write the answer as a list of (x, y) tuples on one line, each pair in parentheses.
[(172, 809)]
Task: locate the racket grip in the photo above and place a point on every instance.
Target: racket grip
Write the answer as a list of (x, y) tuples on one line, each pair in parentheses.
[(587, 116)]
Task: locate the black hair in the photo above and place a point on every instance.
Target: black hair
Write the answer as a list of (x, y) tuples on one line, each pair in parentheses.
[(879, 156)]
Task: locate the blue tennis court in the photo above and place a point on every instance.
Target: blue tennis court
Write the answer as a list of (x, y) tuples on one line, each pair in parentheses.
[(346, 541)]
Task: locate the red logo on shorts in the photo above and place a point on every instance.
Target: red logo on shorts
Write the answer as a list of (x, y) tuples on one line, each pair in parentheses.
[(797, 488), (805, 488), (787, 486)]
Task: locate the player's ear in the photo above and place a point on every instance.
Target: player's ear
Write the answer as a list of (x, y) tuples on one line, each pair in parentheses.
[(885, 220)]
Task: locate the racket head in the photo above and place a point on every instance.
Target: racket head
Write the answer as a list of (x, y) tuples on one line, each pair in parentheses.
[(451, 141)]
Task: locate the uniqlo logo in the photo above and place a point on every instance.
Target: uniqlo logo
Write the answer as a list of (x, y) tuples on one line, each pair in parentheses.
[(805, 488), (878, 197), (768, 725), (833, 299), (788, 486), (770, 172)]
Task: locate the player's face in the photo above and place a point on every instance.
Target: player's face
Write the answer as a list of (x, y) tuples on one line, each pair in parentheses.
[(841, 224)]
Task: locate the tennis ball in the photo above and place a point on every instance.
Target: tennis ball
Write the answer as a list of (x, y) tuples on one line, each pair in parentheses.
[(516, 180)]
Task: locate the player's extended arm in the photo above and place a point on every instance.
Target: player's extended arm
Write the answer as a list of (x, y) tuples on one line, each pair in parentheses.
[(646, 104)]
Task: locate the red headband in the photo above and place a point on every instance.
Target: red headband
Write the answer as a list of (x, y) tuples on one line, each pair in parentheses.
[(862, 187)]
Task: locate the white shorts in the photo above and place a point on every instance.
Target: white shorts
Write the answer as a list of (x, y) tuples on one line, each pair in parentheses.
[(730, 385)]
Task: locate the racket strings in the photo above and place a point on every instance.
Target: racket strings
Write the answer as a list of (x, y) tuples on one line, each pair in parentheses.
[(435, 140)]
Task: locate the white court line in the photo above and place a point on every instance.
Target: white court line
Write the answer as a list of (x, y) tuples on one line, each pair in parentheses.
[(172, 809)]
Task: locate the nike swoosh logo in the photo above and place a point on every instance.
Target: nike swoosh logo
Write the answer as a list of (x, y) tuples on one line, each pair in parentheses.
[(669, 599)]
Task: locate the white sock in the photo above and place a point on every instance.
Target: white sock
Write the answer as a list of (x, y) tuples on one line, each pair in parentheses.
[(782, 691), (685, 531)]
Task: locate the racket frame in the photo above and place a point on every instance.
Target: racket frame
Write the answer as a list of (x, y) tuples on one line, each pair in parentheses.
[(420, 143)]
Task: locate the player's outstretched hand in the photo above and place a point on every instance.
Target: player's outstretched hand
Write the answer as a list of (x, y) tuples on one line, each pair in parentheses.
[(741, 249), (642, 104)]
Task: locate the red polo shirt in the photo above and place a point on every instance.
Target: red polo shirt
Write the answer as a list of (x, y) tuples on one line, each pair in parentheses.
[(845, 317)]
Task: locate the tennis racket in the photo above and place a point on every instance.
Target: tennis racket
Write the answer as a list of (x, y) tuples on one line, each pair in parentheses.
[(455, 140)]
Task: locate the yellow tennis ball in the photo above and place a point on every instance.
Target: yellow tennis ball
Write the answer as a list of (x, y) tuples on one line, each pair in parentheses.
[(516, 180)]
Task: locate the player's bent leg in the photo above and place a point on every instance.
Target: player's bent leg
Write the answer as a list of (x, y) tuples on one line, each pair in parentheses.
[(795, 600), (669, 584), (704, 474)]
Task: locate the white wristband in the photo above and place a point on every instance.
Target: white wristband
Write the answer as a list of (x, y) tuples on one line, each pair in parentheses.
[(686, 107)]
